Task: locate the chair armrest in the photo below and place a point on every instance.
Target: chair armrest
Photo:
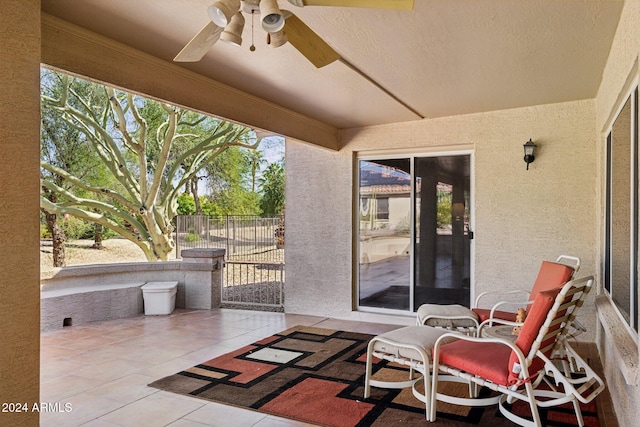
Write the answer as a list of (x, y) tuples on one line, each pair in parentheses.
[(490, 322), (494, 293), (501, 303), (442, 339)]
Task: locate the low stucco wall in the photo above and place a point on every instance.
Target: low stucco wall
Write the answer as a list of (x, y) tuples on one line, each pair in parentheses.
[(78, 290)]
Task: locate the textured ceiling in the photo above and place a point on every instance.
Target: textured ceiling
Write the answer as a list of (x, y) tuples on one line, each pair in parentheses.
[(445, 57)]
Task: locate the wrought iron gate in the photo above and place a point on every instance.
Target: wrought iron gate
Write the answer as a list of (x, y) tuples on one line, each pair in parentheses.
[(254, 262)]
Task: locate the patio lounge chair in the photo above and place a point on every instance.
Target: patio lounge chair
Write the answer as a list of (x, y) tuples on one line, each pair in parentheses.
[(515, 370), (550, 275)]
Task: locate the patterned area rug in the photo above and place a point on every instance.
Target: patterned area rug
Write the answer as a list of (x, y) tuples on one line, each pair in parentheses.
[(317, 376)]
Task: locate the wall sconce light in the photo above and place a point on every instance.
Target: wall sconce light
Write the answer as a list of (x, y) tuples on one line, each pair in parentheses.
[(529, 147)]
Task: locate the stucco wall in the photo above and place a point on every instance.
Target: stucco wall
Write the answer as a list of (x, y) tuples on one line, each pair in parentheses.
[(318, 230), (521, 217), (19, 206), (617, 347)]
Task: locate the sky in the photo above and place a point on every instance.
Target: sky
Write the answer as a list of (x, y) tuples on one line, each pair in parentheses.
[(272, 148)]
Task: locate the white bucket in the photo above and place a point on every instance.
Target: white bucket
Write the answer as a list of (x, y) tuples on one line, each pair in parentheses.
[(159, 297)]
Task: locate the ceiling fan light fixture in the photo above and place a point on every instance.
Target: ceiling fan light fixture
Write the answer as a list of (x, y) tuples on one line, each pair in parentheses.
[(233, 32), (276, 39), (221, 11), (271, 16)]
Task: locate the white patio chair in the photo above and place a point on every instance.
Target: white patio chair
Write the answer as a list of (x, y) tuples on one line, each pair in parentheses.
[(515, 370)]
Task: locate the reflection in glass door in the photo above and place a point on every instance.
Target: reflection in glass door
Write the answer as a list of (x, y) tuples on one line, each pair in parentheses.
[(413, 232), (385, 233)]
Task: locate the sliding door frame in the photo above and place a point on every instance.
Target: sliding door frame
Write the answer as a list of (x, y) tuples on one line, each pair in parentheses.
[(410, 154)]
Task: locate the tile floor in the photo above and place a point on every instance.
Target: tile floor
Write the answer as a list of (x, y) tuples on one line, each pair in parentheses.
[(101, 370)]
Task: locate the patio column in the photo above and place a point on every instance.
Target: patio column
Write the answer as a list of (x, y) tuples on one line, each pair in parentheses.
[(19, 209), (203, 268)]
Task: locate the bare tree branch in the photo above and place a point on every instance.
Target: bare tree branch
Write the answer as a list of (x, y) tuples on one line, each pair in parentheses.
[(81, 184), (99, 219)]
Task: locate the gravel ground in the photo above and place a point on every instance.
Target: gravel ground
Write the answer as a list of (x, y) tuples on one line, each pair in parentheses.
[(253, 283), (79, 252)]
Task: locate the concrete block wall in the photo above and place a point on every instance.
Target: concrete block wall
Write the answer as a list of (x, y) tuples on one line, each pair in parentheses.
[(76, 306), (99, 292)]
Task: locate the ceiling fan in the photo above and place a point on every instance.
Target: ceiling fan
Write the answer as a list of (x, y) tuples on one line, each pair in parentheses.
[(227, 23)]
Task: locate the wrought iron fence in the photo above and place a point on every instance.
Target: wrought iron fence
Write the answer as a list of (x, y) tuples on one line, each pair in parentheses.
[(254, 260)]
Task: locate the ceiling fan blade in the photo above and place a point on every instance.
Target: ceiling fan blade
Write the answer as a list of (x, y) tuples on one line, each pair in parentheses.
[(200, 44), (308, 43), (375, 4)]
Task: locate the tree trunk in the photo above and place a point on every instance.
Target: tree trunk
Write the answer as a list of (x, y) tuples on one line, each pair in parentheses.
[(58, 239), (279, 233), (97, 236), (194, 193)]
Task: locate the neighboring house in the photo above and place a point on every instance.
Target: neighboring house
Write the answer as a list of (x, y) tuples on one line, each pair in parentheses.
[(575, 198)]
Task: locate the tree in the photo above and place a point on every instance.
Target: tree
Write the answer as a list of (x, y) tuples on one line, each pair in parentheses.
[(64, 147), (227, 178), (272, 188), (151, 149), (256, 160)]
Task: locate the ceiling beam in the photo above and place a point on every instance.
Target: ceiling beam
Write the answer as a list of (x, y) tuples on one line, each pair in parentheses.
[(76, 50)]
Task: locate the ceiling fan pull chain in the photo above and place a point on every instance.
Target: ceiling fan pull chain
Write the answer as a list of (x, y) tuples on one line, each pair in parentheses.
[(252, 47)]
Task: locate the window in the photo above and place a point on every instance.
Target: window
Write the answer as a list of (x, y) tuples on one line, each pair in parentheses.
[(621, 211), (383, 208)]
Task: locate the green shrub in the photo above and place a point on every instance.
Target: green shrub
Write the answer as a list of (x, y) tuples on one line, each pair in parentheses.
[(186, 204), (75, 228), (108, 233), (192, 238), (44, 232)]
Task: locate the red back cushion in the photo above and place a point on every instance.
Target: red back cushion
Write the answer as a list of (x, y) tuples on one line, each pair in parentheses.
[(530, 330), (551, 275)]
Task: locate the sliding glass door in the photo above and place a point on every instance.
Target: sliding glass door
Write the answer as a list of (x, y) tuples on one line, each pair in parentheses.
[(413, 231), (385, 233)]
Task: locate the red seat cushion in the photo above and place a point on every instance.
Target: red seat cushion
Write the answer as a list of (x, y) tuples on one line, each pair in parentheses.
[(494, 361), (485, 313), (487, 360)]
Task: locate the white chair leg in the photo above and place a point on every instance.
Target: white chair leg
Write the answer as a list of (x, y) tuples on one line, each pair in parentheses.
[(434, 394), (532, 404), (368, 369), (576, 407)]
